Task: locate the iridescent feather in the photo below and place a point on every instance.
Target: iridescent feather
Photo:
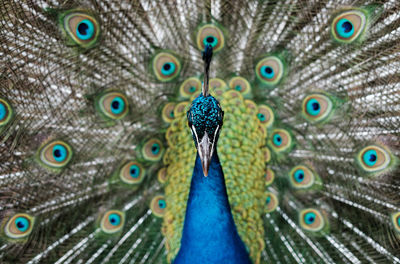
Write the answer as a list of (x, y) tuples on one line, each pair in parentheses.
[(96, 155)]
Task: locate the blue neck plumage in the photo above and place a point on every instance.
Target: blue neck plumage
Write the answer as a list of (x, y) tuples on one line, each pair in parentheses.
[(209, 232)]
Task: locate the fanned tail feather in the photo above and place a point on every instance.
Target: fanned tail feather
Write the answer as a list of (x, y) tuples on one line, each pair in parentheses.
[(95, 152)]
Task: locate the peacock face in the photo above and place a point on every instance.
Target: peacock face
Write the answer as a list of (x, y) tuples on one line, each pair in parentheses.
[(205, 118)]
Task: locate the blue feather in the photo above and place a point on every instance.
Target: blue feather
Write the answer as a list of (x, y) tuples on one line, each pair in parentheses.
[(209, 232)]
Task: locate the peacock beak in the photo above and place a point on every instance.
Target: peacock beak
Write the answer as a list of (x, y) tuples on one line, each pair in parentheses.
[(205, 149)]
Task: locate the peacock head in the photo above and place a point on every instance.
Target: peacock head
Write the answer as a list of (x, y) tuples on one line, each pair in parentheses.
[(205, 118)]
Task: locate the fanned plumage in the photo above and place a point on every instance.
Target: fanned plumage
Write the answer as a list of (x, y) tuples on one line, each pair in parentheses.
[(96, 157)]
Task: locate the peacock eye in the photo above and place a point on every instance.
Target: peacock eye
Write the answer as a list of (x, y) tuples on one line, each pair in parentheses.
[(301, 177), (265, 115), (132, 173), (311, 220), (240, 84), (112, 221), (374, 158), (189, 87), (251, 107), (210, 40), (216, 83), (162, 175), (85, 29), (271, 202), (6, 112), (210, 35), (113, 105), (82, 28), (168, 112), (162, 204), (166, 66), (180, 109), (277, 139), (152, 150), (316, 108), (19, 226), (269, 70), (269, 177), (267, 154), (281, 140), (56, 154), (396, 221), (348, 26), (158, 205)]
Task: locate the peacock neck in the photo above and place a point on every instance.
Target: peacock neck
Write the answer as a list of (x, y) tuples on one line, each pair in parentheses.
[(209, 232)]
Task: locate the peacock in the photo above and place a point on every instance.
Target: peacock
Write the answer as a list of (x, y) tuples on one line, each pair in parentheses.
[(211, 131)]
